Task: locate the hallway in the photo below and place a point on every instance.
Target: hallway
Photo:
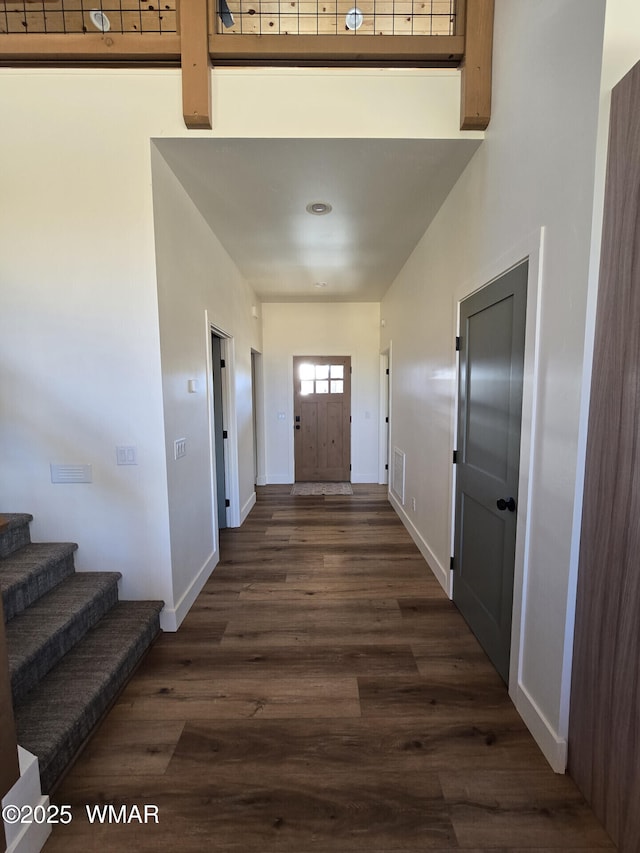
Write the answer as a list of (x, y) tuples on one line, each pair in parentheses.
[(322, 695)]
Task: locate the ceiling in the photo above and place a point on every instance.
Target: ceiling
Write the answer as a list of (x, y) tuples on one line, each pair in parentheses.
[(254, 194)]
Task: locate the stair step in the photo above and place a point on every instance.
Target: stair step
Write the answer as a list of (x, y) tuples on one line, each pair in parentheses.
[(27, 574), (57, 716), (14, 531), (40, 636)]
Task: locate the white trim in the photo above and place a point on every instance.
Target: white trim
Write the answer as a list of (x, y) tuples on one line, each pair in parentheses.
[(26, 837), (442, 575), (247, 507), (390, 442), (453, 476), (384, 413), (398, 474), (552, 745), (257, 395), (171, 618), (230, 416), (211, 442), (230, 421), (291, 407)]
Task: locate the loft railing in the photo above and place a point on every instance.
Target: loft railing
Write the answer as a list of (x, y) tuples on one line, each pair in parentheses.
[(86, 16), (198, 33), (257, 17), (333, 17)]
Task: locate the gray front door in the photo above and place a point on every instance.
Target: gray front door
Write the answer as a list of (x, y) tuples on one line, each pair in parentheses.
[(492, 326)]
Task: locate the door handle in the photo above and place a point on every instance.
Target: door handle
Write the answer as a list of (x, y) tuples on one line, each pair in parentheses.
[(297, 426), (503, 504)]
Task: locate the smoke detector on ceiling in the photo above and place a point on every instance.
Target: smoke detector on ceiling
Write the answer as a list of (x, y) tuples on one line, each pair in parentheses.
[(319, 208)]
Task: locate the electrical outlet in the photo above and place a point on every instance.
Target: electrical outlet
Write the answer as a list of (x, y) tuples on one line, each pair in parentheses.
[(179, 448)]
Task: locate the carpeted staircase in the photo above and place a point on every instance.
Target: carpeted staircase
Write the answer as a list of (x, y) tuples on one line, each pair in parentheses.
[(72, 644)]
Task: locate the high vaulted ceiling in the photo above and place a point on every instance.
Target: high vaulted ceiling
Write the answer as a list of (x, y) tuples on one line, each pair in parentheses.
[(254, 192)]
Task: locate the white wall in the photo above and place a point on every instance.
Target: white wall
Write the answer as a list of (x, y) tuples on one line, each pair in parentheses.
[(621, 53), (79, 330), (534, 171), (344, 103), (321, 329), (79, 327), (199, 286), (79, 344)]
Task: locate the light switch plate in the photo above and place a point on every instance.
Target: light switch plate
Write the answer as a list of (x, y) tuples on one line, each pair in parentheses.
[(126, 455)]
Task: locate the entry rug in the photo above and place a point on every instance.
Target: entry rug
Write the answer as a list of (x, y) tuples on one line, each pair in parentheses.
[(322, 489)]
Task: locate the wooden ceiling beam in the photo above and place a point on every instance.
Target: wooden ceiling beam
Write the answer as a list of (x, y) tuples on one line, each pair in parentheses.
[(193, 21), (89, 48), (441, 51), (475, 95)]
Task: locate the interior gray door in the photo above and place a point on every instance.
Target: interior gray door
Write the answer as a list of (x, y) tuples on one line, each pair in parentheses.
[(218, 428), (492, 327)]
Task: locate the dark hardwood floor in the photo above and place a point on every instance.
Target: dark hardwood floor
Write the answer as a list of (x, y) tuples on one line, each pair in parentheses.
[(322, 695)]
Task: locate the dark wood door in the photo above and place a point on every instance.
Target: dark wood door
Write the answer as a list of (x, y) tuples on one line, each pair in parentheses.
[(492, 326), (604, 725), (322, 411)]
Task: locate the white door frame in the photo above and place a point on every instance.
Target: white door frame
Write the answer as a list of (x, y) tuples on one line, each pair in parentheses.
[(230, 423), (384, 417), (530, 248), (258, 417)]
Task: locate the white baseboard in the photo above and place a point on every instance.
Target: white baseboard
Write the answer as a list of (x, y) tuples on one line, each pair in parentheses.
[(261, 481), (284, 480), (554, 747), (26, 837), (443, 576), (171, 618), (247, 507)]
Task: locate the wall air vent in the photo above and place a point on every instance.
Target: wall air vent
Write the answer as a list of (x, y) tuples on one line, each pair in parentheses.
[(71, 473), (397, 482)]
